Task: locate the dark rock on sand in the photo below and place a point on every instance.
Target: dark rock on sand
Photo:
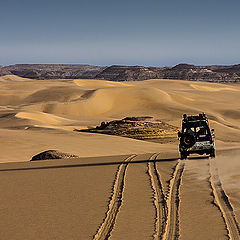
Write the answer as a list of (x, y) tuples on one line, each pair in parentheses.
[(141, 128), (52, 154)]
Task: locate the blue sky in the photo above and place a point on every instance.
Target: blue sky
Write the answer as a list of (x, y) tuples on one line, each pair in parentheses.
[(129, 32)]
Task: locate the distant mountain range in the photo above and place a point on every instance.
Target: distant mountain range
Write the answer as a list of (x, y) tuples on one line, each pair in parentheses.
[(213, 73), (53, 71)]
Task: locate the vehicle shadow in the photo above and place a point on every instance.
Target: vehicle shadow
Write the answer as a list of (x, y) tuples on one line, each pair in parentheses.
[(197, 158), (100, 164)]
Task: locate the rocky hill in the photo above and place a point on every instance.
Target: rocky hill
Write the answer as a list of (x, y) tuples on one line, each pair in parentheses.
[(203, 73), (142, 128), (54, 71), (4, 71), (129, 73), (213, 73), (180, 71)]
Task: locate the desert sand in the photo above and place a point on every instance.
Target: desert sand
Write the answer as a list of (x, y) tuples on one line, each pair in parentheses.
[(119, 187)]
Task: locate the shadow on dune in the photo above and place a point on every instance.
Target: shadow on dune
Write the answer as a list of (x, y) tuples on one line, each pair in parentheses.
[(100, 164)]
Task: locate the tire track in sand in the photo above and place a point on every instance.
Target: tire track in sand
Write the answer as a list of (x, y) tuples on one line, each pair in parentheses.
[(159, 199), (114, 205), (173, 200), (222, 202)]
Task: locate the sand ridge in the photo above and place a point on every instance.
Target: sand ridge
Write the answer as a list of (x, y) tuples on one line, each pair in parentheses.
[(13, 78), (44, 118), (93, 83), (213, 88)]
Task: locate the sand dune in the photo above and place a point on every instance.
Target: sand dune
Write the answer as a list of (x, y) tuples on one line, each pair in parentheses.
[(119, 187), (44, 118), (69, 104), (112, 101), (213, 88), (12, 78), (99, 84)]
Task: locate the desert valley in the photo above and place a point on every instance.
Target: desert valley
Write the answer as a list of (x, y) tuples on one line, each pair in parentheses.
[(116, 186)]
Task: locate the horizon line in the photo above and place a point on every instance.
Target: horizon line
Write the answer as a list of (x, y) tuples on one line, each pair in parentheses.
[(120, 65)]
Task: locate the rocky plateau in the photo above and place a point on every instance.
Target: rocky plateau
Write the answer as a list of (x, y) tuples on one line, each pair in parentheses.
[(212, 73)]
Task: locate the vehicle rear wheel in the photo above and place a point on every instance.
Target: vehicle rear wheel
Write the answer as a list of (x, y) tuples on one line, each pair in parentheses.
[(187, 140), (212, 153), (183, 155)]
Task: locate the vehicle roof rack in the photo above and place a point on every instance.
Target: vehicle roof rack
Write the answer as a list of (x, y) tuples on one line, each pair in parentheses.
[(192, 118)]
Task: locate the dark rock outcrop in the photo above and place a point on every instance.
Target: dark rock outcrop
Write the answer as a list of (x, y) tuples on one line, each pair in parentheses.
[(128, 73), (52, 154), (180, 71), (54, 71), (4, 71), (142, 128), (203, 73), (213, 73)]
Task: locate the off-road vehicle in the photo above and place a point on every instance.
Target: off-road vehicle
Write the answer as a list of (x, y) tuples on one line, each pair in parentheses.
[(196, 136)]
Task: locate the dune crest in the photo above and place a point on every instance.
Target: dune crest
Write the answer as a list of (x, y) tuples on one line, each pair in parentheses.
[(215, 88), (12, 78), (98, 83), (111, 100), (44, 118)]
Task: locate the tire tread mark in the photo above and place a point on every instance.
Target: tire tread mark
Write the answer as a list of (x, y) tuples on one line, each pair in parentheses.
[(115, 202), (159, 199), (222, 202), (173, 202)]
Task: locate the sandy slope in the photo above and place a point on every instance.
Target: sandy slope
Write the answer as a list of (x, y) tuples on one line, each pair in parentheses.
[(69, 104), (228, 169), (55, 204), (69, 199), (73, 202), (22, 145), (194, 212)]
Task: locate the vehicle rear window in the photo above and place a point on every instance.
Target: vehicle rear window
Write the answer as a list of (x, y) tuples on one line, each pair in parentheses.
[(199, 128)]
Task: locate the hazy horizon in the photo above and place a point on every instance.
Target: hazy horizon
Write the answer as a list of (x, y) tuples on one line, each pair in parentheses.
[(148, 33), (131, 65)]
